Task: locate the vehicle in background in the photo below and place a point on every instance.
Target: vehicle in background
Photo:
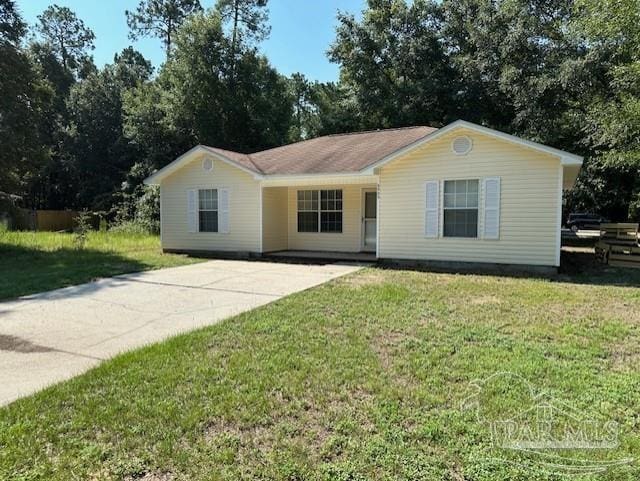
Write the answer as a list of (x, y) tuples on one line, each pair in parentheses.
[(578, 222)]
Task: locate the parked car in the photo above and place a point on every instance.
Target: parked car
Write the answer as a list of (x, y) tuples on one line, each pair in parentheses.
[(578, 222)]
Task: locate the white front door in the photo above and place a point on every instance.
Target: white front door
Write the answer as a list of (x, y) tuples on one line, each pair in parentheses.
[(369, 220)]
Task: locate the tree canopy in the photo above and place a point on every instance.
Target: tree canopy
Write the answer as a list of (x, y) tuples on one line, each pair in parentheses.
[(160, 18), (561, 72), (66, 35)]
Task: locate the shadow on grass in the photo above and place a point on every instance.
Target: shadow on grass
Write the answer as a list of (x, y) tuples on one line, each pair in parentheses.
[(582, 267), (27, 270), (575, 267)]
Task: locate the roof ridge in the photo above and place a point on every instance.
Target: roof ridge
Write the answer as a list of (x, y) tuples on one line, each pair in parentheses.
[(285, 145), (379, 130), (339, 135)]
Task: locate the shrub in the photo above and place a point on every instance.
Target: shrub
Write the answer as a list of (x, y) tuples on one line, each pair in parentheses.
[(82, 227), (148, 209), (129, 227)]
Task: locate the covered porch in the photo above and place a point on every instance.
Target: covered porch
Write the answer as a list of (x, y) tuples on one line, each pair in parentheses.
[(324, 256), (320, 218)]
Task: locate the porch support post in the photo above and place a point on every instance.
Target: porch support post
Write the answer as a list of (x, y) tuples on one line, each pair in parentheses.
[(378, 219), (260, 216)]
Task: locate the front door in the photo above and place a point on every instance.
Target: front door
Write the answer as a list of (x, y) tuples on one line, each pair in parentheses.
[(369, 220)]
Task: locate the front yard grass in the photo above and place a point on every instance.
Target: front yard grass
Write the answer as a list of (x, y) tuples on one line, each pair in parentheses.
[(40, 261), (367, 377)]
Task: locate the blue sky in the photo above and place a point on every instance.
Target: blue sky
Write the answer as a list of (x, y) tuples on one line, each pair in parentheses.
[(301, 31)]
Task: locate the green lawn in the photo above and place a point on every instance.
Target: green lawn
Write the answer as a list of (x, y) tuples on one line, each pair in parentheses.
[(40, 261), (362, 378)]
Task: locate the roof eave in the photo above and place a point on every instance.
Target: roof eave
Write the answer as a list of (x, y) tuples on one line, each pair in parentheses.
[(566, 158), (158, 176)]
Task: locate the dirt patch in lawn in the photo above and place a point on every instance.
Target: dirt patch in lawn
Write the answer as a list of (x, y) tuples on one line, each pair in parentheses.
[(372, 277), (259, 436), (624, 358), (311, 426), (152, 477), (620, 309), (387, 346), (482, 300), (265, 438)]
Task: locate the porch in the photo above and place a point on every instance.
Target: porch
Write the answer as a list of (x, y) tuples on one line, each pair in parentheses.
[(335, 221), (324, 256)]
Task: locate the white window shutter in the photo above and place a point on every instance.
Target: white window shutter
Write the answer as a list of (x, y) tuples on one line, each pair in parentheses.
[(223, 211), (491, 208), (432, 199), (192, 210)]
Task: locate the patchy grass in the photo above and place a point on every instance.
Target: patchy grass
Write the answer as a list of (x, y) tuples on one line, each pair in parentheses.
[(368, 377), (40, 261)]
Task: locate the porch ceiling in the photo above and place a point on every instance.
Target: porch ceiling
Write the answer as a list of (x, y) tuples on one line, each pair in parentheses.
[(307, 180)]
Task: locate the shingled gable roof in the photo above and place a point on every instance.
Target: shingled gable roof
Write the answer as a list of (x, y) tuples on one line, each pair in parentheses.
[(330, 154), (345, 153), (339, 153)]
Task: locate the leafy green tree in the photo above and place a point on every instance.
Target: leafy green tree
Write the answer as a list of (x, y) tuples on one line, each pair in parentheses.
[(321, 108), (131, 68), (150, 124), (52, 185), (160, 18), (102, 153), (394, 63), (303, 107), (336, 110), (518, 68), (12, 27), (67, 37), (612, 113), (21, 101), (247, 20), (241, 107), (511, 65)]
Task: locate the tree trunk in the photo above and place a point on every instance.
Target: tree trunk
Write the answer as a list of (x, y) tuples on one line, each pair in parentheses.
[(63, 52), (168, 40), (234, 38)]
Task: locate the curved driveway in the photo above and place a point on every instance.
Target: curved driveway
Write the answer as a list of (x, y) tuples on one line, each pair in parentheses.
[(49, 337)]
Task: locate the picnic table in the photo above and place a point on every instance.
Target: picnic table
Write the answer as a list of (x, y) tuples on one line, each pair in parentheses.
[(618, 245)]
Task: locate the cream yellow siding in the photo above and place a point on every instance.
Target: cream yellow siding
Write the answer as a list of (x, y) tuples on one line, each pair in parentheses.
[(318, 179), (274, 219), (244, 208), (529, 202), (350, 240)]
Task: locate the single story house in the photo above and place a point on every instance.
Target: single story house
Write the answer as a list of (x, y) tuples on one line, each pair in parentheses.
[(462, 193)]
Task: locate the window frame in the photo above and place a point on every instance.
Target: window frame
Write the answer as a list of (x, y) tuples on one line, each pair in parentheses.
[(444, 208), (216, 210), (320, 210)]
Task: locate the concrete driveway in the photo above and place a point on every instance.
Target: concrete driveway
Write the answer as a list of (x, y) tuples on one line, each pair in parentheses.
[(49, 337)]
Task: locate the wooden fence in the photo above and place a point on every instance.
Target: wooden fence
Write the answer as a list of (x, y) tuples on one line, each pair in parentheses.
[(45, 220)]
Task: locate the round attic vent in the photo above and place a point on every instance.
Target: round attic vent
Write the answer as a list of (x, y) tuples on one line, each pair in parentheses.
[(461, 145), (207, 165)]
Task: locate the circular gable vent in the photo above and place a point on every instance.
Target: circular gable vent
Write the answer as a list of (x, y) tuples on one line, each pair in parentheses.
[(461, 145), (207, 165)]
